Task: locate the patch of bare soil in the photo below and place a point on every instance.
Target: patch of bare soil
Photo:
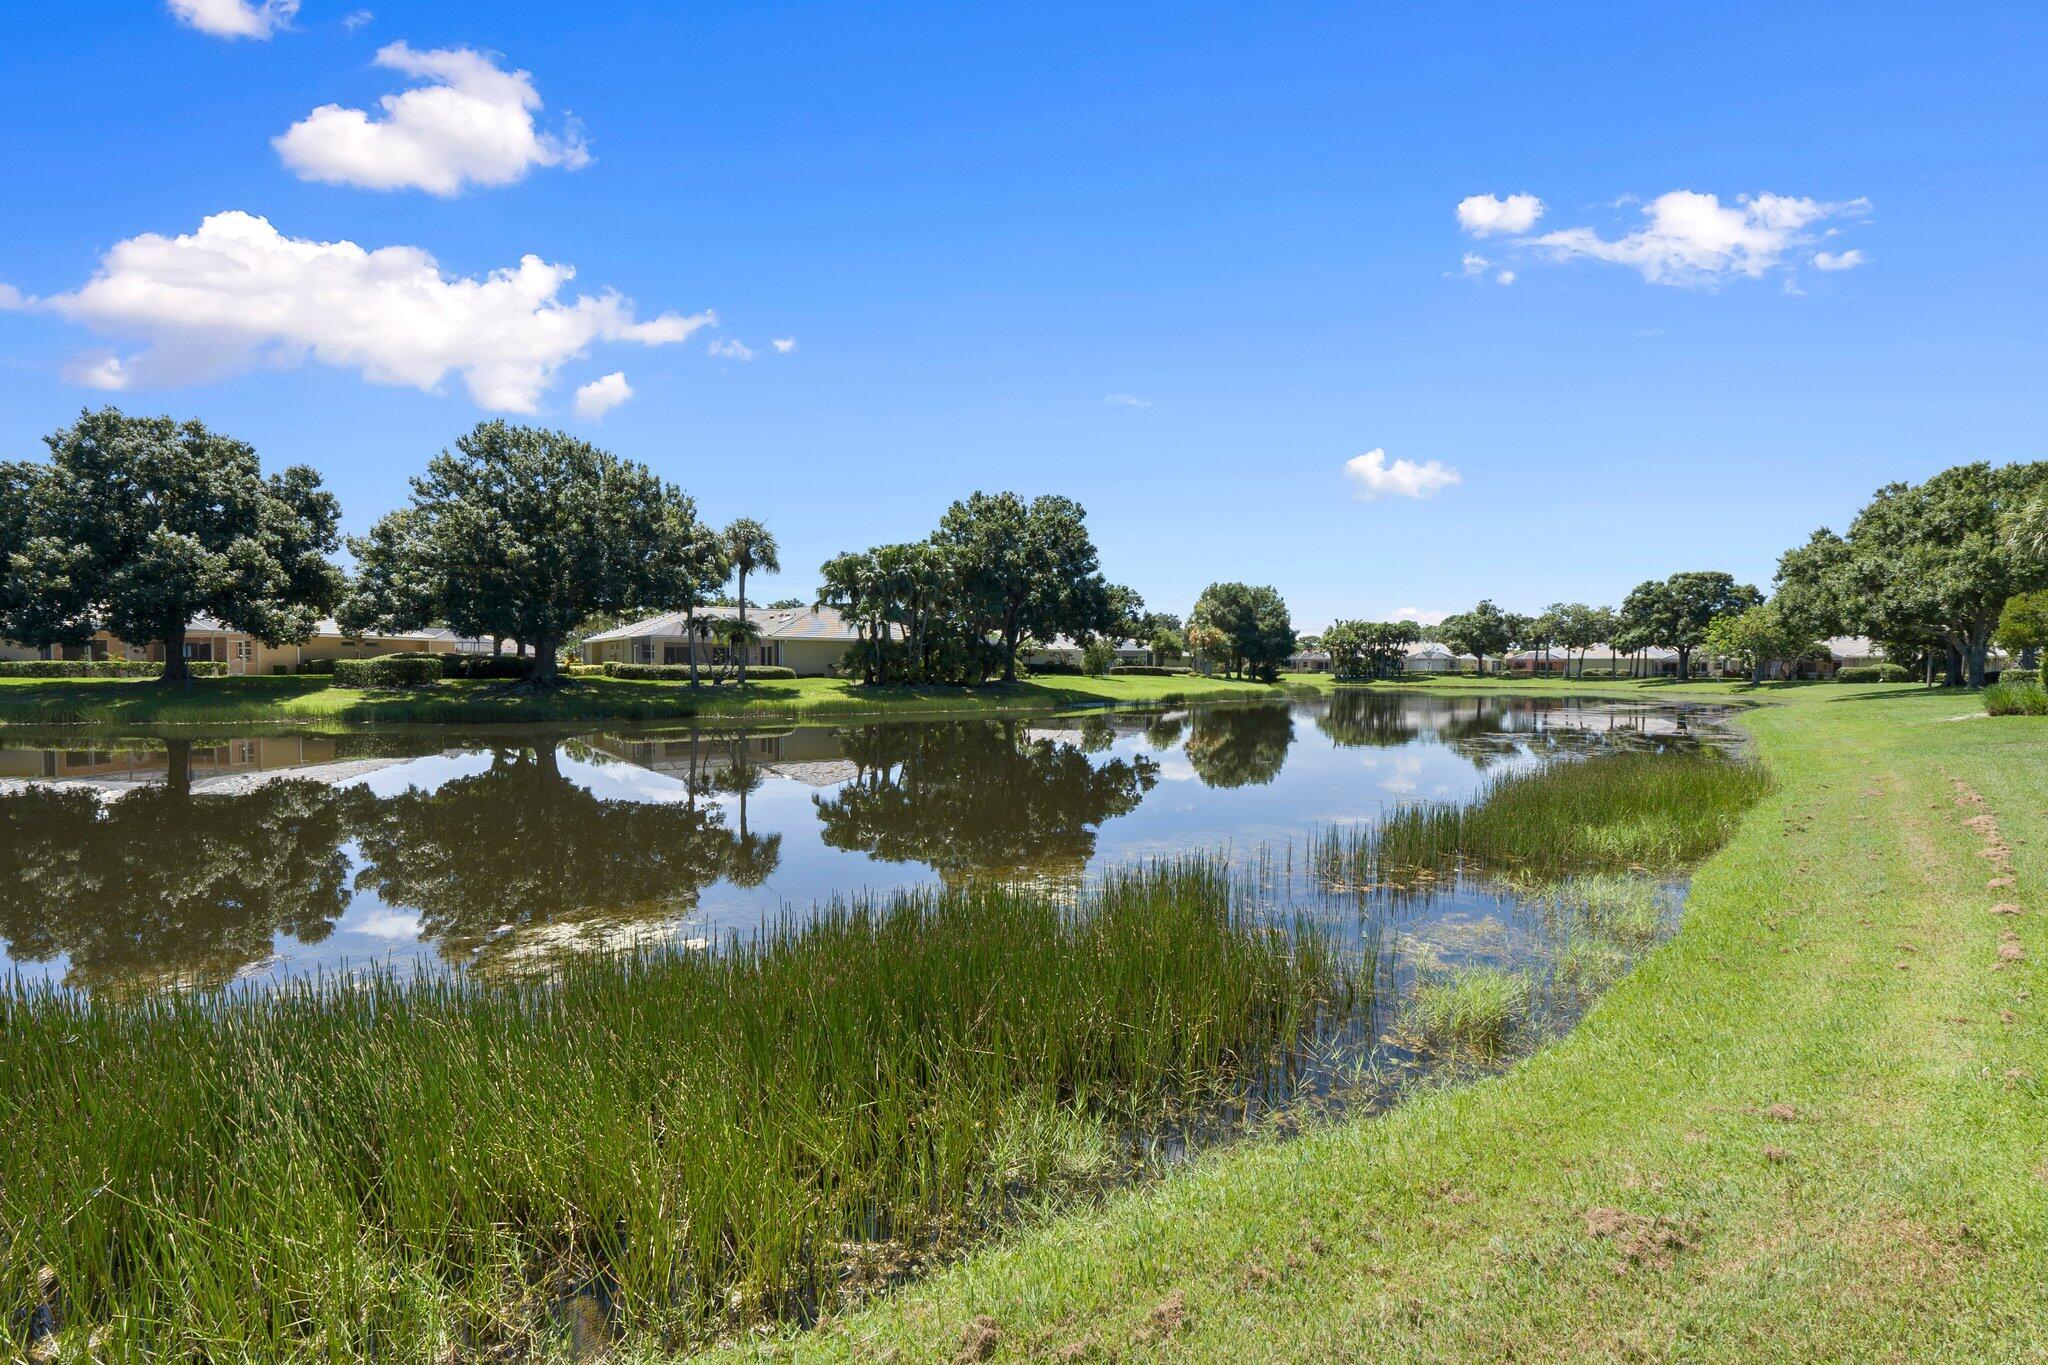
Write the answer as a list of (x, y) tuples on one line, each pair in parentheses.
[(1641, 1240), (979, 1341)]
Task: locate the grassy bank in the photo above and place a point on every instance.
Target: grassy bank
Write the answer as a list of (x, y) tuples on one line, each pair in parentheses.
[(1807, 1128), (316, 702), (688, 1142)]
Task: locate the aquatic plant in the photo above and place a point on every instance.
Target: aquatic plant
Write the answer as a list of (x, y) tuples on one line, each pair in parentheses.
[(1647, 810), (1475, 1007), (396, 1168)]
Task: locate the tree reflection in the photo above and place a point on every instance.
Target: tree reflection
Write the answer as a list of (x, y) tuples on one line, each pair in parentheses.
[(1239, 746), (978, 797), (1369, 720), (521, 847), (159, 887)]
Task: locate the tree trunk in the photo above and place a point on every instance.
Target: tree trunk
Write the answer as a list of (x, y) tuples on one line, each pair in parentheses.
[(1685, 663), (690, 629), (545, 672), (2027, 658), (175, 669), (739, 641), (1952, 674), (497, 646), (1978, 649)]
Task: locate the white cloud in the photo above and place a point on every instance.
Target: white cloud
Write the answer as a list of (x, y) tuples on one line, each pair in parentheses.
[(783, 345), (1483, 215), (725, 348), (1504, 277), (356, 20), (11, 299), (237, 293), (1695, 239), (600, 396), (1837, 260), (256, 19), (1373, 478), (1472, 264), (1421, 617), (471, 124), (1126, 400), (98, 370)]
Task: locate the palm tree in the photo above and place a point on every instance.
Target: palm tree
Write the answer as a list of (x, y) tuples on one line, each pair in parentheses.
[(749, 546), (737, 633)]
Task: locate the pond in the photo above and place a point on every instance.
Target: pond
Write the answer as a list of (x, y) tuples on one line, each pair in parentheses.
[(146, 861), (895, 985)]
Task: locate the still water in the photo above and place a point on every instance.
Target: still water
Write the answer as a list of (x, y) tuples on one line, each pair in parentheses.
[(143, 861)]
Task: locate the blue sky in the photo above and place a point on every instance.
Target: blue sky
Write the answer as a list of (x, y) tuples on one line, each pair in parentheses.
[(1181, 262)]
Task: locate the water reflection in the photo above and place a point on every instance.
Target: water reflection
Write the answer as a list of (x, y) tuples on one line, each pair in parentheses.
[(150, 861), (983, 798)]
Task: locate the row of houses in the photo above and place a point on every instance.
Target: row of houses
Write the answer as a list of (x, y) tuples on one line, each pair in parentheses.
[(209, 641), (1842, 651)]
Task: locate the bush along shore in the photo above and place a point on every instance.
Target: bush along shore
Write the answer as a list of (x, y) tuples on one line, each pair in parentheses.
[(676, 1144), (592, 696)]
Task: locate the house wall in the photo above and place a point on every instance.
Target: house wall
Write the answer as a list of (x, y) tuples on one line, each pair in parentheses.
[(14, 649), (812, 658)]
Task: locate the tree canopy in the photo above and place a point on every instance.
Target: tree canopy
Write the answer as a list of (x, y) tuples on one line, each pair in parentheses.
[(523, 533), (137, 525), (1676, 612), (1483, 632), (1251, 624), (1360, 649)]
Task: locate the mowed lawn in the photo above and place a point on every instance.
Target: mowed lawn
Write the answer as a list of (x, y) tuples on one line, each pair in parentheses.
[(316, 701), (1812, 1126)]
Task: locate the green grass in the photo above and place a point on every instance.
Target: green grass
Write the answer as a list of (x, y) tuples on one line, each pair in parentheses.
[(2016, 699), (1610, 812), (1807, 1127), (376, 1168), (314, 701), (1469, 1007)]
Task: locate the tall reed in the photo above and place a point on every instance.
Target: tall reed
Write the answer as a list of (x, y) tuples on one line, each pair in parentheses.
[(391, 1168), (1647, 810)]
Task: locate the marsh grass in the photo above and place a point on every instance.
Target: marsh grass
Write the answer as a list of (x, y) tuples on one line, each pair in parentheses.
[(396, 1168), (1475, 1007), (1654, 811)]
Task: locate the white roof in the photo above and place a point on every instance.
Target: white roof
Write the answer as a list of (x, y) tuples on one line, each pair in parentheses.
[(777, 623)]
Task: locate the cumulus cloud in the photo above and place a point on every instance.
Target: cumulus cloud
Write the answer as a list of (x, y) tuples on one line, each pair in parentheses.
[(600, 396), (1694, 239), (1504, 277), (1473, 264), (356, 19), (1837, 260), (1372, 477), (1421, 617), (471, 123), (98, 370), (11, 298), (238, 293), (256, 19), (783, 345), (1484, 215), (1126, 400), (725, 348)]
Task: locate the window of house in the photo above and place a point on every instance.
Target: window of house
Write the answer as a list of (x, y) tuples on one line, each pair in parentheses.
[(245, 650)]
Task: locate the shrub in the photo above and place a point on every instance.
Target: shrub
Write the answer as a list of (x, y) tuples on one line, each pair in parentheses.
[(1871, 673), (681, 672), (2015, 699), (100, 668), (388, 670), (1054, 668), (1098, 657), (317, 666), (1151, 670), (2025, 677), (484, 665)]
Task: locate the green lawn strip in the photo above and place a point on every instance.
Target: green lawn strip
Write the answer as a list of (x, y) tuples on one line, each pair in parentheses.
[(303, 701), (1631, 1192)]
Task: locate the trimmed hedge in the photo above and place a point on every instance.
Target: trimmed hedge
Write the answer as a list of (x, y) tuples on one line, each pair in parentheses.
[(1149, 670), (317, 666), (2021, 677), (1873, 673), (101, 668), (388, 670), (705, 672), (484, 666)]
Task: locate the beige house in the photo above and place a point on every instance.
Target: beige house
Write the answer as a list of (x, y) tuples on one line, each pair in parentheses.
[(809, 640), (209, 641)]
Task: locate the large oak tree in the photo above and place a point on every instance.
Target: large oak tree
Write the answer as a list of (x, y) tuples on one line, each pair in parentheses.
[(139, 524), (524, 533)]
